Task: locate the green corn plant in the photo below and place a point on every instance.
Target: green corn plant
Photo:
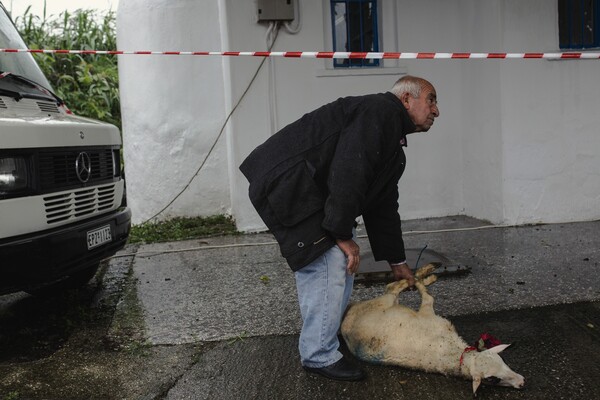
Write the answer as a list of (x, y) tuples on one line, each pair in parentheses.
[(89, 84)]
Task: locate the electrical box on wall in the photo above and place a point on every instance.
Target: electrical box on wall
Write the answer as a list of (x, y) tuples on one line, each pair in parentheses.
[(275, 10)]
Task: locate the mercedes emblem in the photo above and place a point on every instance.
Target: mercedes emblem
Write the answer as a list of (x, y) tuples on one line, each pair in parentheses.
[(83, 167)]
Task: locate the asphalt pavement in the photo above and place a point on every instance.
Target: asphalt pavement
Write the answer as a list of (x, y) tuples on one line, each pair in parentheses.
[(538, 286), (219, 318)]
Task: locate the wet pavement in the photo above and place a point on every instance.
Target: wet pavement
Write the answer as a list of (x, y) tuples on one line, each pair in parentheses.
[(218, 318)]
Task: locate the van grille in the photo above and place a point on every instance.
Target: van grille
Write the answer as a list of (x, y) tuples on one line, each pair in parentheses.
[(57, 168), (79, 203)]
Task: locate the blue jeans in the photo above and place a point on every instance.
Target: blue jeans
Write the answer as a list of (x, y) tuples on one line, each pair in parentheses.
[(324, 288)]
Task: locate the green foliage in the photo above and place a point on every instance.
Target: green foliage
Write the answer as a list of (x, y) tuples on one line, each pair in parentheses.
[(11, 396), (89, 84), (182, 229)]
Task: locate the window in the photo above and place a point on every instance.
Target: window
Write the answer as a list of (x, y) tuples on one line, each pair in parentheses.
[(354, 24), (578, 24)]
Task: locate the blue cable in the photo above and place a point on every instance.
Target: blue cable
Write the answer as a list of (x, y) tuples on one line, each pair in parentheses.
[(418, 258)]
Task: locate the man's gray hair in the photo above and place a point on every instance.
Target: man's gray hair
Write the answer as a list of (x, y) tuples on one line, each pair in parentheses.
[(408, 84)]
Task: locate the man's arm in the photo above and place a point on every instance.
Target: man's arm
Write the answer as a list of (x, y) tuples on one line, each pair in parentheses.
[(385, 235), (384, 228)]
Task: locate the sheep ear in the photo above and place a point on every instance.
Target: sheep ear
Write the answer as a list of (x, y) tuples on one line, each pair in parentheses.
[(476, 383), (498, 349)]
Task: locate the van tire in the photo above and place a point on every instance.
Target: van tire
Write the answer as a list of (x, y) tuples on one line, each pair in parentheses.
[(73, 282)]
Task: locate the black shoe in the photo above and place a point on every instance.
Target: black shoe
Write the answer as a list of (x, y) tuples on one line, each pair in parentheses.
[(341, 370)]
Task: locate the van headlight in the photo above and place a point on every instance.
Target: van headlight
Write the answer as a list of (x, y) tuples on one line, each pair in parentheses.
[(13, 174)]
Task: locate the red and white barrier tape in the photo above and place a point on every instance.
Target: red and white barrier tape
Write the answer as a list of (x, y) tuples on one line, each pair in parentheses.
[(325, 54)]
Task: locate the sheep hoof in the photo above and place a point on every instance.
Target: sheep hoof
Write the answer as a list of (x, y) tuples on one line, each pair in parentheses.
[(426, 270), (429, 280)]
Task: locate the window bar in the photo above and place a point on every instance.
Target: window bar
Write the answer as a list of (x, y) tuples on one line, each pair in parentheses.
[(347, 61), (592, 19), (332, 11), (375, 30), (582, 22), (361, 32), (596, 24), (569, 23)]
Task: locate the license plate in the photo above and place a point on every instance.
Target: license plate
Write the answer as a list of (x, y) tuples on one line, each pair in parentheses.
[(98, 237)]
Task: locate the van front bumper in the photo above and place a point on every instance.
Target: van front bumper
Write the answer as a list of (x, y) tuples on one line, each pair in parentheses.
[(34, 260)]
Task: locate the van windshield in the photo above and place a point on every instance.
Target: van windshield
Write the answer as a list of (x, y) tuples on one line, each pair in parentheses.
[(17, 63)]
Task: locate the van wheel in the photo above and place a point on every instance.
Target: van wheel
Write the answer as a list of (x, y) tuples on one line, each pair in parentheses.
[(74, 281)]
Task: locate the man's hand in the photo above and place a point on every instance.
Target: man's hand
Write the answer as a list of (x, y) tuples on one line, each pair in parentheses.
[(403, 271), (352, 252)]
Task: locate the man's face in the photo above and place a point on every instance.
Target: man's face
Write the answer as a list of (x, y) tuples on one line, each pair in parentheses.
[(423, 110)]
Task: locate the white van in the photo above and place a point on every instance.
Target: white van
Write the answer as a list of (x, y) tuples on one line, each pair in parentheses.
[(62, 192)]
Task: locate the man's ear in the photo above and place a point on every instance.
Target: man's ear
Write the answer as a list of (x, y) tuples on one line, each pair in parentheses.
[(404, 97)]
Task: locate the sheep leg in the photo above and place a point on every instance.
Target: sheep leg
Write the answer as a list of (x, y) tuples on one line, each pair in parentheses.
[(426, 299), (397, 287), (424, 271)]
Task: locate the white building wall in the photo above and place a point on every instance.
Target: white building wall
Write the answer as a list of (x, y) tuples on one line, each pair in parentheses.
[(550, 123), (481, 113), (173, 108), (432, 184), (515, 141)]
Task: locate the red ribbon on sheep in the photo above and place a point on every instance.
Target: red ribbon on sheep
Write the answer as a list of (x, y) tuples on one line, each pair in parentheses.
[(485, 341)]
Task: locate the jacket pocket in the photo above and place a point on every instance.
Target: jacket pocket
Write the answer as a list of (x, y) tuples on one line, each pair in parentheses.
[(303, 239), (294, 195)]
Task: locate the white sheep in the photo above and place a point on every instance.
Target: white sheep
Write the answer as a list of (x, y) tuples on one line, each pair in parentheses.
[(381, 331)]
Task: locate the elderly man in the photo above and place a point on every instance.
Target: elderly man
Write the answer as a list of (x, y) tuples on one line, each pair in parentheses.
[(312, 179)]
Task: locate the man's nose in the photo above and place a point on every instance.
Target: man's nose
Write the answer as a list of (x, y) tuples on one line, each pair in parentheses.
[(435, 110)]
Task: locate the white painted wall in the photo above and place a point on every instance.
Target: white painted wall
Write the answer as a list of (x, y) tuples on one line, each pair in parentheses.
[(550, 124), (173, 108), (481, 112), (516, 141), (302, 85)]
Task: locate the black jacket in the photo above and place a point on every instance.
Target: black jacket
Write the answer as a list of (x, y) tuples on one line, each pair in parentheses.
[(313, 178)]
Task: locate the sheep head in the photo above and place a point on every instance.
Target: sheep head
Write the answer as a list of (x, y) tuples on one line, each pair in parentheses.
[(489, 368)]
